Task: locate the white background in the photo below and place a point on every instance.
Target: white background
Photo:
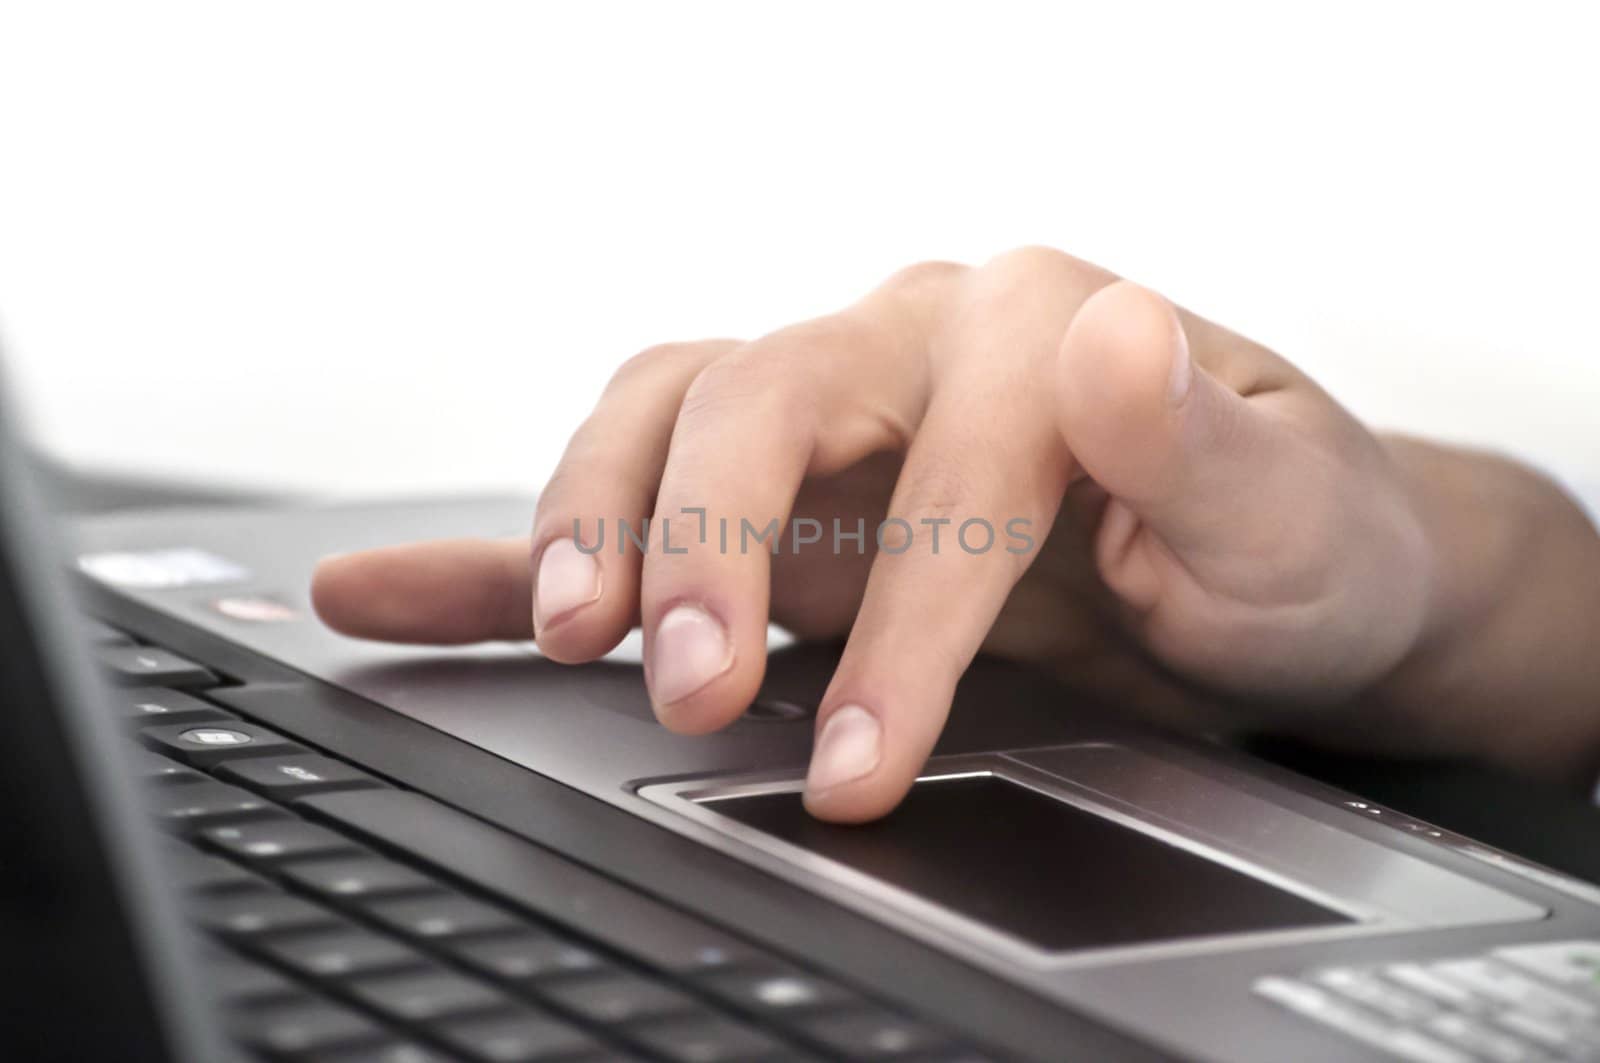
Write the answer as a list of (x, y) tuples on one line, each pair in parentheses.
[(380, 248)]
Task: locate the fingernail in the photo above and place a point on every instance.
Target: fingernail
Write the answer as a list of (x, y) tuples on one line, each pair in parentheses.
[(568, 579), (848, 748), (690, 650), (1182, 377)]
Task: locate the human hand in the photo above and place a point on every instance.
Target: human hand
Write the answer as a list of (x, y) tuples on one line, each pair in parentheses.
[(1210, 537)]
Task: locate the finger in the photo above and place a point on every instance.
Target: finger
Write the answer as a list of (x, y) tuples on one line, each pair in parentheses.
[(816, 594), (441, 593), (1184, 457), (987, 451), (752, 426), (968, 494), (586, 583), (1236, 519), (811, 399)]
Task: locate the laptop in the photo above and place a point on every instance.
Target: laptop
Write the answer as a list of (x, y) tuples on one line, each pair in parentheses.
[(236, 835)]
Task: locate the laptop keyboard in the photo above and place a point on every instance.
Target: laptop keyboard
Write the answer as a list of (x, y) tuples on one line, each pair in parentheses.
[(349, 919), (1520, 1004)]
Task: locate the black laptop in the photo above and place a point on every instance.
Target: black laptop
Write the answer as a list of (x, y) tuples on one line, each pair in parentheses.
[(232, 834)]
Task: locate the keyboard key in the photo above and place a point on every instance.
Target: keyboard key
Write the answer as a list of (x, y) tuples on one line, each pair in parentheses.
[(1506, 984), (193, 870), (152, 705), (387, 1051), (1574, 964), (341, 953), (1319, 1005), (277, 841), (871, 1034), (1385, 998), (618, 998), (706, 1039), (528, 956), (528, 875), (301, 1028), (208, 745), (778, 991), (243, 983), (203, 804), (359, 878), (152, 666), (444, 916), (150, 767), (285, 778), (524, 1038), (1420, 979), (96, 633), (1552, 1034), (427, 996), (1481, 1040), (1312, 1002), (1414, 1046), (258, 912)]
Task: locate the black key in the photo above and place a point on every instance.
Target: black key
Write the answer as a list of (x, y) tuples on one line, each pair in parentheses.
[(427, 996), (207, 803), (616, 998), (527, 875), (302, 1028), (778, 991), (258, 912), (152, 767), (152, 666), (205, 745), (358, 878), (96, 633), (277, 841), (240, 982), (527, 956), (706, 1039), (444, 916), (152, 705), (871, 1034), (341, 953), (387, 1051), (524, 1038), (193, 870), (285, 778)]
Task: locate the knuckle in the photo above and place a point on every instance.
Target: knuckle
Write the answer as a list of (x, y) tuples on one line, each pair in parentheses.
[(942, 492), (645, 363), (1036, 290), (755, 382), (1034, 258), (730, 380), (654, 365), (950, 512), (1033, 266), (921, 276)]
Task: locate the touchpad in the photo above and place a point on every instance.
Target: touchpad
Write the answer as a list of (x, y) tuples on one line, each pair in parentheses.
[(1075, 854), (1050, 873)]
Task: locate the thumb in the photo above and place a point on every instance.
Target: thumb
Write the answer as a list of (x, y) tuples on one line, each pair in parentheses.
[(1195, 472)]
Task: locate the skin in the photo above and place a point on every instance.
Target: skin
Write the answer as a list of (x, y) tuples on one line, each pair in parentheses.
[(1219, 544)]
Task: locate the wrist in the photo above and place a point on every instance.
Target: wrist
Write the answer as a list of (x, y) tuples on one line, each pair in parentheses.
[(1506, 666)]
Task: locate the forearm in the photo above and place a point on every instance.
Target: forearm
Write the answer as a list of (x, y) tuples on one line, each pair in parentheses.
[(1508, 668)]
